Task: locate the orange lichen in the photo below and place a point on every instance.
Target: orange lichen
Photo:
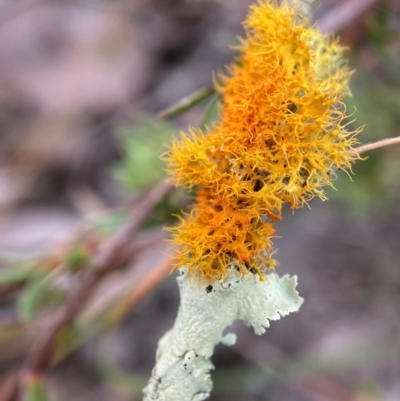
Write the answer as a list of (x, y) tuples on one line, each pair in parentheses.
[(280, 136)]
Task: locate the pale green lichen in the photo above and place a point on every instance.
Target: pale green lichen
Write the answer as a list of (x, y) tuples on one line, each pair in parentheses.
[(183, 361)]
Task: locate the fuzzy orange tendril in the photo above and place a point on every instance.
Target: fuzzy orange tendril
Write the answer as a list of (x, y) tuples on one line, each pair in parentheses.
[(280, 136)]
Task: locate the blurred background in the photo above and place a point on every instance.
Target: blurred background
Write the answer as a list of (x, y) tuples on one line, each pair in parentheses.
[(81, 83)]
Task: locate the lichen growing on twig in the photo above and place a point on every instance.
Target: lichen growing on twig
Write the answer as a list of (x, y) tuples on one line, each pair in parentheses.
[(281, 134)]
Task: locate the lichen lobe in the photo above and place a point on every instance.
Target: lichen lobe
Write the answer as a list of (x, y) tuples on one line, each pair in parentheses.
[(182, 370)]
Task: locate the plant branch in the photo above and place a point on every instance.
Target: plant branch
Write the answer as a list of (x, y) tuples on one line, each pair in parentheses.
[(112, 255), (376, 145), (186, 103)]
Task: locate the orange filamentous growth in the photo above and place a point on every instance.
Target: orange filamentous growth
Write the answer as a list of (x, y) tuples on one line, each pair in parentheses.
[(280, 135)]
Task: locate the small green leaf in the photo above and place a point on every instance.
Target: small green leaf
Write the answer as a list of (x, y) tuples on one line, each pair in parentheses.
[(77, 257), (15, 275), (211, 112), (111, 222), (143, 143), (37, 294), (66, 341), (31, 298), (34, 390)]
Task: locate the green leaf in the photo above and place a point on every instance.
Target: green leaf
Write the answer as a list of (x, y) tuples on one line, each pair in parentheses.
[(34, 390), (77, 257), (37, 294), (143, 143), (211, 112), (31, 298), (15, 275), (111, 222), (67, 339)]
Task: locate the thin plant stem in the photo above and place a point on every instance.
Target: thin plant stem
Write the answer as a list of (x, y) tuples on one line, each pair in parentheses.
[(376, 145), (186, 103)]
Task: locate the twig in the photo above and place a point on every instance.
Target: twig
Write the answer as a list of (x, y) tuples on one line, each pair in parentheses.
[(344, 14), (376, 145), (113, 249), (112, 255), (186, 103), (9, 388), (125, 113)]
